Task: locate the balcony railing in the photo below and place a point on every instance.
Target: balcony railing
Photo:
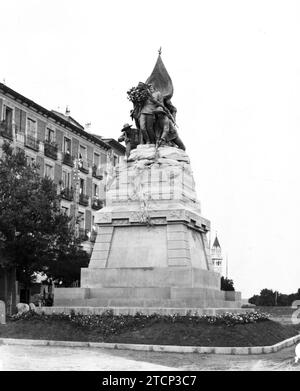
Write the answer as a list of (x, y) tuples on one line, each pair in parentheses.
[(83, 166), (83, 234), (6, 130), (83, 199), (97, 203), (67, 193), (32, 143), (96, 173), (68, 159), (50, 149)]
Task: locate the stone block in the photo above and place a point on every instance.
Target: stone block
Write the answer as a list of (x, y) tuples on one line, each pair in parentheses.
[(103, 246), (103, 238), (176, 228), (177, 244), (100, 255), (177, 236), (130, 292), (22, 308), (179, 262), (71, 293), (233, 296), (179, 253)]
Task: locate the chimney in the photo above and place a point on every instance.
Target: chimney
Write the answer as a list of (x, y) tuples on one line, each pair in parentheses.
[(68, 112)]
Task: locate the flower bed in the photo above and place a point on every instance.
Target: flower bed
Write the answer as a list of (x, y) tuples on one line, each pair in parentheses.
[(110, 324)]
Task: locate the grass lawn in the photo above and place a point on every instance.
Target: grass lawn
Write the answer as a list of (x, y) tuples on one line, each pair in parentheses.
[(155, 332)]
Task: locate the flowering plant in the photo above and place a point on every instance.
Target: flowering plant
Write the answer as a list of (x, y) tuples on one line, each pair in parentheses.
[(108, 323)]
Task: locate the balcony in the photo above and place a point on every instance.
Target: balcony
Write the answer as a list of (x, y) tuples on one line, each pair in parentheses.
[(83, 199), (83, 234), (68, 159), (97, 203), (83, 166), (32, 143), (67, 193), (96, 172), (6, 130), (50, 149)]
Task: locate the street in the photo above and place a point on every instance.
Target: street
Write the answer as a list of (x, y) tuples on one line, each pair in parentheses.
[(51, 358)]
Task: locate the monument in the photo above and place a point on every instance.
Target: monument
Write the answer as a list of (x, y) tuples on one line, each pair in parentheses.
[(151, 252)]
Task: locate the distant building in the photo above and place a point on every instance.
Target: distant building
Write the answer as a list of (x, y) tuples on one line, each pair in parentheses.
[(216, 256)]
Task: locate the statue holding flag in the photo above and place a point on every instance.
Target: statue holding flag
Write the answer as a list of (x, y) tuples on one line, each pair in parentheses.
[(153, 112)]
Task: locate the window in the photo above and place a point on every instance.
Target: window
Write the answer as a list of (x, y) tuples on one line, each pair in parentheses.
[(50, 135), (67, 145), (115, 160), (81, 220), (49, 171), (8, 116), (81, 189), (31, 128), (30, 160), (96, 160), (95, 190), (65, 210), (82, 153), (66, 179)]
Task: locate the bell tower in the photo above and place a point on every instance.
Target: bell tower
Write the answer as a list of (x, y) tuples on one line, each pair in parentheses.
[(216, 256)]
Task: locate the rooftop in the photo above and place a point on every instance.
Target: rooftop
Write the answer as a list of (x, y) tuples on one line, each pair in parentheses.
[(63, 120)]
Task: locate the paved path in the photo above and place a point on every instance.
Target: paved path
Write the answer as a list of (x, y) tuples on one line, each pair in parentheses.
[(41, 358)]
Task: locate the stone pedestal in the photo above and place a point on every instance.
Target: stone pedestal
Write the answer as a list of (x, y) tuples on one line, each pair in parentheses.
[(151, 250)]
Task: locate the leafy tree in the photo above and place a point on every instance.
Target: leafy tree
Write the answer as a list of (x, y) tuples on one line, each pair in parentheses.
[(226, 284), (254, 299), (35, 235), (267, 297)]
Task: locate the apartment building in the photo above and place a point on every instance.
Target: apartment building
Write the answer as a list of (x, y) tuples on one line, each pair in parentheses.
[(65, 151)]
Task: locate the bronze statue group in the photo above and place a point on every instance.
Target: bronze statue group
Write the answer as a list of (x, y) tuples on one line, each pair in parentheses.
[(154, 116), (153, 113)]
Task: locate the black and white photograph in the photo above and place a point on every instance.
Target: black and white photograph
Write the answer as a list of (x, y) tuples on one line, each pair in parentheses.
[(149, 189)]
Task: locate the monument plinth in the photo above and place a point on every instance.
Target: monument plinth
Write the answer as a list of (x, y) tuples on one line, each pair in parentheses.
[(151, 252)]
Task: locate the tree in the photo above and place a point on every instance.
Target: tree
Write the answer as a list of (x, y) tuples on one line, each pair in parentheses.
[(226, 284), (254, 299), (267, 297), (35, 235)]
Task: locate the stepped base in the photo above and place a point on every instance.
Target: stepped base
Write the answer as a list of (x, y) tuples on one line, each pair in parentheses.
[(150, 287)]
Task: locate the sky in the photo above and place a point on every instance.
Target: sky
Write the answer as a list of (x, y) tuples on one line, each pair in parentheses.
[(235, 67)]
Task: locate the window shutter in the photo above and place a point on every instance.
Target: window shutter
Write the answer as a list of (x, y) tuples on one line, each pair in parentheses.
[(88, 220), (75, 146), (59, 139), (40, 163), (57, 173), (41, 129)]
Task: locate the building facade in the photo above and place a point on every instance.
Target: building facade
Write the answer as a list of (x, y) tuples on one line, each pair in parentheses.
[(76, 160)]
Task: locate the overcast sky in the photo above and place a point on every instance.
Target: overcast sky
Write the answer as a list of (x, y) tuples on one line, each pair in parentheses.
[(235, 67)]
